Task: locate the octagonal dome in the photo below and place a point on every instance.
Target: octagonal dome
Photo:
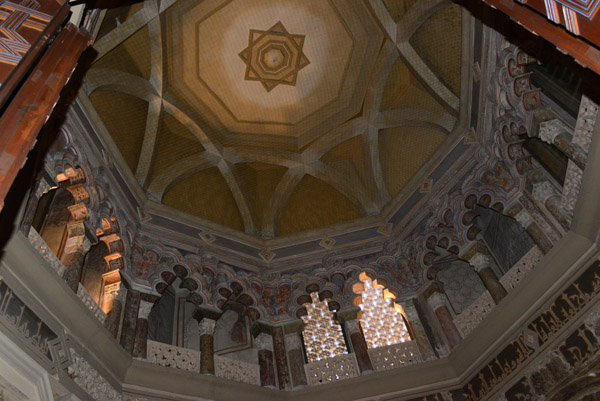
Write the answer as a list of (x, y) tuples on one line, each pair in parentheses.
[(274, 117)]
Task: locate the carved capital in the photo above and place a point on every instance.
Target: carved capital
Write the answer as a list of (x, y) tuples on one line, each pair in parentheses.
[(550, 129), (206, 326), (144, 310), (436, 300), (524, 218), (264, 341), (410, 311), (292, 341), (542, 191), (352, 327), (479, 261)]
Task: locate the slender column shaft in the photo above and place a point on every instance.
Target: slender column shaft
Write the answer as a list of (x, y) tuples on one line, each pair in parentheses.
[(114, 318), (544, 193), (535, 232), (359, 345), (264, 343), (283, 372), (433, 330), (293, 345), (481, 264), (114, 298), (418, 331), (207, 354), (437, 301), (141, 330), (556, 133), (132, 303)]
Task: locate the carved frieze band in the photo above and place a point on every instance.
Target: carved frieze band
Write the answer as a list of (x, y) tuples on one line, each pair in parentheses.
[(238, 371), (395, 356), (330, 370)]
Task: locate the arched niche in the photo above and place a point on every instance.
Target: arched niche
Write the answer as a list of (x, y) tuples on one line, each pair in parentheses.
[(94, 267), (52, 216)]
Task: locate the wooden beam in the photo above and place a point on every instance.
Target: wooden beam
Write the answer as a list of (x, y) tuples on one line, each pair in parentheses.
[(32, 105), (582, 51)]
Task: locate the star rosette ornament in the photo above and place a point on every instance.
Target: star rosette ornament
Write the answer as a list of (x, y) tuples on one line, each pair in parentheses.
[(274, 57)]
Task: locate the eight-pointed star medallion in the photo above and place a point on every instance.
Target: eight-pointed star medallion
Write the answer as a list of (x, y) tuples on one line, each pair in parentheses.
[(274, 56)]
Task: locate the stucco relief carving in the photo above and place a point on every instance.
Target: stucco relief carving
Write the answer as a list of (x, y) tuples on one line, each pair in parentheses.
[(524, 218), (551, 129), (582, 136), (91, 304), (171, 356), (395, 356), (571, 188), (206, 326), (479, 261), (263, 341), (88, 378), (474, 314), (145, 309), (235, 370), (514, 276), (334, 369), (40, 245), (293, 341)]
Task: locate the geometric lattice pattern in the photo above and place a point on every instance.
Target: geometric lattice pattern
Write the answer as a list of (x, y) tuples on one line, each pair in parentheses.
[(12, 17), (587, 8), (323, 337), (382, 325), (274, 56)]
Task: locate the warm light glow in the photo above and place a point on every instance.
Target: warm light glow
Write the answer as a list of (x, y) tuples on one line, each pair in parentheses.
[(323, 337), (380, 317)]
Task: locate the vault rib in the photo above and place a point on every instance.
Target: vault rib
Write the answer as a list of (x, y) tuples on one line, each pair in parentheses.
[(239, 195), (280, 197), (153, 122), (340, 182), (179, 171), (428, 77), (370, 136), (416, 15), (407, 117), (107, 79), (121, 33)]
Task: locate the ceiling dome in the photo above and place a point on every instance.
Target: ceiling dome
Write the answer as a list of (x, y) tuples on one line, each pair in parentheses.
[(274, 117)]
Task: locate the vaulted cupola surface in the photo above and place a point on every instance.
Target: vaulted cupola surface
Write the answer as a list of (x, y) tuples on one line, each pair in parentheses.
[(307, 200)]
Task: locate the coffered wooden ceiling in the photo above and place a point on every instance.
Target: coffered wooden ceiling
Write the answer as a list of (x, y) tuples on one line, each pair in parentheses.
[(273, 117)]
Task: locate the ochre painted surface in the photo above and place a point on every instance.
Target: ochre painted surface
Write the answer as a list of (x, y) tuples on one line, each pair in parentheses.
[(314, 203), (403, 152), (206, 195), (438, 42)]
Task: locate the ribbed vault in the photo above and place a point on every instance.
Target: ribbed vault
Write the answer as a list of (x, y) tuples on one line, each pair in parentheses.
[(168, 84)]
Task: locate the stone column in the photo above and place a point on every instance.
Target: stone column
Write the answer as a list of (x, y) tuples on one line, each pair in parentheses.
[(295, 354), (141, 329), (437, 301), (359, 345), (207, 351), (535, 232), (418, 331), (556, 133), (481, 264), (264, 344), (283, 372), (544, 193), (76, 247), (132, 303), (114, 299)]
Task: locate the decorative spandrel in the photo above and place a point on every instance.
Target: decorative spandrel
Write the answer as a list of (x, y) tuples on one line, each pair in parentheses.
[(274, 56), (323, 337)]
